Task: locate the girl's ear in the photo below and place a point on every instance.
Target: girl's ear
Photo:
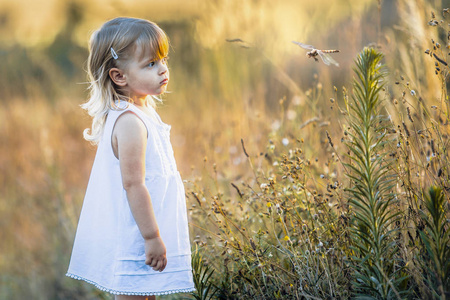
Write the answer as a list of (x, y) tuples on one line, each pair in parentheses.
[(117, 77)]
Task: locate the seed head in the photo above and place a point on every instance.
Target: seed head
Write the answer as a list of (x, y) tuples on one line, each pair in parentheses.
[(409, 114), (252, 244)]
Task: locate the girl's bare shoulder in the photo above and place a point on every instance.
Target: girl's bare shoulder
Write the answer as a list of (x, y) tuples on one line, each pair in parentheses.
[(130, 125)]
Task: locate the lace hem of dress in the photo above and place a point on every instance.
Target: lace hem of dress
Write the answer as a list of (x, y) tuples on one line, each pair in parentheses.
[(114, 292)]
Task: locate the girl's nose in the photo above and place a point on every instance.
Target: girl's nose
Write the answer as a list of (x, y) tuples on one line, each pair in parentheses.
[(163, 69)]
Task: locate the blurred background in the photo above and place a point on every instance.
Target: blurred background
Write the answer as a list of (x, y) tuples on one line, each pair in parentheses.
[(220, 92)]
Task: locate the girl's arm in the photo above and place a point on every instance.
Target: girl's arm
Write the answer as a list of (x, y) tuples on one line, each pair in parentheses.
[(129, 140)]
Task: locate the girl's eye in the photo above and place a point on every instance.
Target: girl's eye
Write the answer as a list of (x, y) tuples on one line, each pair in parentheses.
[(153, 63)]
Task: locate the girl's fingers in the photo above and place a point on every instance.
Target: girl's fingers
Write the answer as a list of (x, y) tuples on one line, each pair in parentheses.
[(161, 265), (151, 262), (158, 266), (165, 264)]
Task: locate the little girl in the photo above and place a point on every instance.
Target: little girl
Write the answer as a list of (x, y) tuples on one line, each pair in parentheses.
[(132, 238)]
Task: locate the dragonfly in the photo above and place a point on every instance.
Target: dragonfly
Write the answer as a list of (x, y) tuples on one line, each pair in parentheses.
[(326, 58)]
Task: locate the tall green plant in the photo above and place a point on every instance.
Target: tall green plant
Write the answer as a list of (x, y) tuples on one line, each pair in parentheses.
[(370, 195), (436, 238), (201, 274)]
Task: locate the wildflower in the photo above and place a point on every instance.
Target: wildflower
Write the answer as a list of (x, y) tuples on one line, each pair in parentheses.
[(279, 210), (276, 125), (286, 238), (320, 245), (269, 204), (296, 100), (285, 141), (291, 114)]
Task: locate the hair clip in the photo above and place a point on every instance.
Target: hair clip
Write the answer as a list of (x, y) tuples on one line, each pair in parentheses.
[(114, 54)]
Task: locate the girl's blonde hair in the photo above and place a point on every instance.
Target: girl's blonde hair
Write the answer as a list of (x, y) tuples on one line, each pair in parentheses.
[(124, 36)]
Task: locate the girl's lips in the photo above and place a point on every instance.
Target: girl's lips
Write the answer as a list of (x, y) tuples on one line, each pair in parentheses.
[(165, 81)]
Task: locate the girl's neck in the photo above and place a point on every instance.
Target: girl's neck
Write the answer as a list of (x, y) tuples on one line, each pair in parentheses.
[(143, 105), (142, 102)]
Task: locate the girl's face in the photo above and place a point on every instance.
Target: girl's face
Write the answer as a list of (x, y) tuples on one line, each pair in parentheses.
[(145, 76)]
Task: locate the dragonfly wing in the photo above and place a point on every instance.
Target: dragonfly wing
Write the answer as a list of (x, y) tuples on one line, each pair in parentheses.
[(326, 58), (308, 47)]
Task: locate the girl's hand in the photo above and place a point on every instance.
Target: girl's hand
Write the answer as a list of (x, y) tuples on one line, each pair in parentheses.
[(155, 254)]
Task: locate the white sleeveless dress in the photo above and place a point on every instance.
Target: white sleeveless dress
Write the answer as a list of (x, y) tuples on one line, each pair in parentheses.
[(108, 251)]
